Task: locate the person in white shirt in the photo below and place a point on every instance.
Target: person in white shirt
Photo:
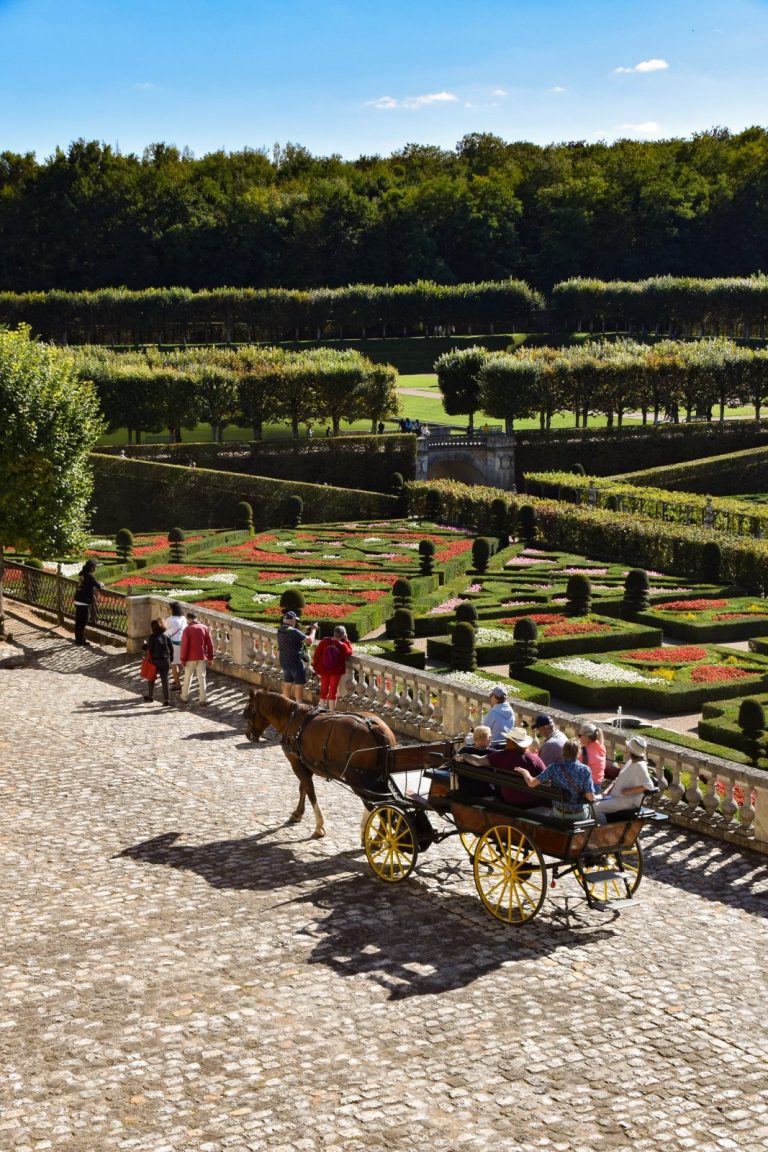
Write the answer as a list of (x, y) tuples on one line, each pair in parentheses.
[(500, 716), (625, 793), (174, 629)]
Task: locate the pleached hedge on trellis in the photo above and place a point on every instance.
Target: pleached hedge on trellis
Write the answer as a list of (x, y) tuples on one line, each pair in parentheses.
[(146, 495), (616, 495), (726, 475), (598, 533)]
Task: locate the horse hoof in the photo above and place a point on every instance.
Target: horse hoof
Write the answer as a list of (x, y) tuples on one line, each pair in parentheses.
[(318, 835), (293, 819)]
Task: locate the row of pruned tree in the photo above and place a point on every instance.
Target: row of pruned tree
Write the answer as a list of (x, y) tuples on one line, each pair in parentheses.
[(609, 378), (251, 386)]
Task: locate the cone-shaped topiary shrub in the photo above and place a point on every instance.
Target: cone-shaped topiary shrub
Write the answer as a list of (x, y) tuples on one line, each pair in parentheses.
[(578, 593), (636, 598), (467, 612), (500, 514), (292, 600), (526, 523), (578, 470), (482, 550), (244, 516), (524, 651), (752, 724), (176, 538), (124, 543), (711, 560), (294, 506), (396, 484), (426, 557), (403, 630), (463, 658), (402, 593)]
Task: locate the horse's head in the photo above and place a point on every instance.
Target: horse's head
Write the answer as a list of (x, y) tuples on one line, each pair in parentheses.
[(255, 719)]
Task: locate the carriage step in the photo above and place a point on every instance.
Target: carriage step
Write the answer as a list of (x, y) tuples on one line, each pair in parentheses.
[(419, 800), (597, 877)]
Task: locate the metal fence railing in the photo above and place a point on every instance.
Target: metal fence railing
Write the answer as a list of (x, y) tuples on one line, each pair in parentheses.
[(55, 593)]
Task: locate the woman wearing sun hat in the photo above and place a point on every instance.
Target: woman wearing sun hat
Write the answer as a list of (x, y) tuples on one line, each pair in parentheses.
[(625, 793)]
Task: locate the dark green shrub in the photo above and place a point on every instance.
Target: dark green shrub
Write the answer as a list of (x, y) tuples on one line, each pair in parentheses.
[(33, 562), (433, 505), (403, 630), (612, 503), (396, 483), (402, 593), (526, 523), (294, 506), (463, 658), (711, 561), (578, 592), (752, 723), (636, 598), (482, 550), (426, 557), (524, 651), (578, 469), (176, 538), (124, 543), (500, 514), (467, 613), (244, 516), (292, 600)]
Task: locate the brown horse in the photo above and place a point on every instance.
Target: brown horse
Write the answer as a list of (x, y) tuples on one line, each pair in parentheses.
[(348, 746)]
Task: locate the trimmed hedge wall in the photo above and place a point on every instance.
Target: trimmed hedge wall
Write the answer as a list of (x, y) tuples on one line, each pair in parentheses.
[(671, 548), (368, 460), (147, 495), (730, 475)]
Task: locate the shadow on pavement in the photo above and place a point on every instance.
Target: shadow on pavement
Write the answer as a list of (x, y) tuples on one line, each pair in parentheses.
[(709, 868)]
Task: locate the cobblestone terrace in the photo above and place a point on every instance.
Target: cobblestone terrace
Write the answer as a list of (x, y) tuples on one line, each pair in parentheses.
[(181, 970)]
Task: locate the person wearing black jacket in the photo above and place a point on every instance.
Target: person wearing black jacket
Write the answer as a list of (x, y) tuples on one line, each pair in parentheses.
[(84, 594), (159, 648)]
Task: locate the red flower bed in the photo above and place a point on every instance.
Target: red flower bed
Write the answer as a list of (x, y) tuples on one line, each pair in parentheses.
[(383, 578), (683, 654), (327, 611), (370, 596), (575, 628), (127, 581), (180, 570), (737, 615), (214, 605), (690, 605), (714, 673)]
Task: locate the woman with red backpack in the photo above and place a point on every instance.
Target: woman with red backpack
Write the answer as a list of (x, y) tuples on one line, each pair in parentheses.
[(329, 661)]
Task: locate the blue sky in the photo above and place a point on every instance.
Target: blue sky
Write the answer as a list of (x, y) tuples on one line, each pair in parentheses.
[(365, 76)]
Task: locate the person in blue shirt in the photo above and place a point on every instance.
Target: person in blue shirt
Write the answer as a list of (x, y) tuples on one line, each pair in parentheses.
[(500, 716), (572, 777)]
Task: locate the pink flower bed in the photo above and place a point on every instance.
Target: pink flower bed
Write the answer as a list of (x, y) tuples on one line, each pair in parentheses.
[(585, 571)]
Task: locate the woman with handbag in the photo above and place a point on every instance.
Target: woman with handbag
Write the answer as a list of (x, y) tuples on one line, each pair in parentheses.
[(158, 649)]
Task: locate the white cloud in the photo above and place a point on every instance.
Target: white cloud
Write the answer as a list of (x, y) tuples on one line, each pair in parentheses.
[(646, 128), (499, 92), (556, 88), (144, 85), (414, 101), (644, 66)]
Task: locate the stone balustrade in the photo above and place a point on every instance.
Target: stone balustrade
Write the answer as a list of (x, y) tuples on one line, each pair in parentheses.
[(708, 793)]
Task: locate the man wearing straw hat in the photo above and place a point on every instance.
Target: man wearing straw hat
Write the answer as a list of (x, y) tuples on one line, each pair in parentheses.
[(514, 755)]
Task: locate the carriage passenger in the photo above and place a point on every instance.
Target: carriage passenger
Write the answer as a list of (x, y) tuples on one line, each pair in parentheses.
[(500, 716), (625, 793), (573, 778), (514, 755), (592, 752), (480, 747)]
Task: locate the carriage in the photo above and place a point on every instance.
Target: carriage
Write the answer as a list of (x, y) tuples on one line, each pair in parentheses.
[(416, 796)]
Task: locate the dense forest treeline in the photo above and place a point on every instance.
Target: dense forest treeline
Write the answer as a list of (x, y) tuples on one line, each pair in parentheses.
[(90, 217)]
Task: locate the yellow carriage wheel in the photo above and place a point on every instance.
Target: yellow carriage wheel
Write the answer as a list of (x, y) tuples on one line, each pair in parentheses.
[(391, 843), (469, 841), (614, 887), (509, 874)]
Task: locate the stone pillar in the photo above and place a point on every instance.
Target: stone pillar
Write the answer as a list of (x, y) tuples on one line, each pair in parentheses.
[(139, 613)]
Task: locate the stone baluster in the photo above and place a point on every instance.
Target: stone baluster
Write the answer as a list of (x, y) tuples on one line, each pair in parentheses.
[(746, 808), (711, 800), (693, 794), (380, 682), (238, 651), (393, 699), (728, 805), (676, 791)]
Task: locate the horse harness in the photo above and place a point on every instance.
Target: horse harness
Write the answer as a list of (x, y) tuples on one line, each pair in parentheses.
[(291, 740)]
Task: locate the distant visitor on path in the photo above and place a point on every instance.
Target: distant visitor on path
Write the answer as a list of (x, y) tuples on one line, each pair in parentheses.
[(330, 663), (84, 597), (159, 648), (174, 626), (292, 646), (196, 655)]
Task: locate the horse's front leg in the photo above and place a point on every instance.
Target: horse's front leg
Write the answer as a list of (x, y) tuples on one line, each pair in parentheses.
[(307, 791)]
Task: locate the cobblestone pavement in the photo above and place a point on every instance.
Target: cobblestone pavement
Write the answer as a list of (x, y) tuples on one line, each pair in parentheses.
[(181, 970)]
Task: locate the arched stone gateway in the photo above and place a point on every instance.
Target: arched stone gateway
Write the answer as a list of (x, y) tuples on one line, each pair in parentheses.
[(478, 459)]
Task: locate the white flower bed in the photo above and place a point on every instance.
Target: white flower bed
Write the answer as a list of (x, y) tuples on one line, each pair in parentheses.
[(602, 673), (264, 598), (472, 680), (176, 593), (217, 578), (66, 569), (368, 650), (101, 543), (313, 582), (491, 635)]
